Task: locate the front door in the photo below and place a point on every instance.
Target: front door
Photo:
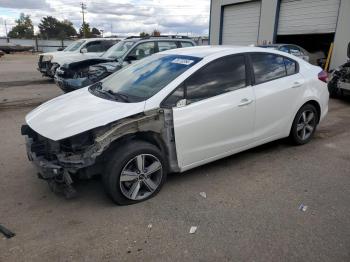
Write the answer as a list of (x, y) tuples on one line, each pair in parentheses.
[(219, 115)]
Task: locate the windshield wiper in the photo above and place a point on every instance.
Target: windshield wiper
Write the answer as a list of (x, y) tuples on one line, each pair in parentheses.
[(113, 95), (123, 97)]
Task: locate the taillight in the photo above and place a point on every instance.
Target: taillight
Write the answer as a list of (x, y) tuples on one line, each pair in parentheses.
[(323, 76)]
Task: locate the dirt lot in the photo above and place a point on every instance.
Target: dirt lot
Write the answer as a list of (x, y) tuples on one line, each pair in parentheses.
[(250, 213)]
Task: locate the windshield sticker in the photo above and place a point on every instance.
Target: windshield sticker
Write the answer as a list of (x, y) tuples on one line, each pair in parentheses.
[(182, 61)]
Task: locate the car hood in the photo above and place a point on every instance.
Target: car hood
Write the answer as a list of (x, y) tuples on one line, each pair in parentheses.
[(77, 112), (61, 57), (110, 67)]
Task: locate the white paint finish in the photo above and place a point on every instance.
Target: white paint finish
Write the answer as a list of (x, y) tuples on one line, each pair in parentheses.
[(275, 100), (76, 112), (241, 23), (205, 130), (61, 57), (213, 126), (308, 16)]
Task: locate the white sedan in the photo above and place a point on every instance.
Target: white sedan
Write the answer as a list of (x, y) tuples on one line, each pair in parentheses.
[(171, 112)]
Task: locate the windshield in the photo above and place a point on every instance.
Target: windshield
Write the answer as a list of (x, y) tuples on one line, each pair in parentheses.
[(147, 77), (74, 46), (118, 50)]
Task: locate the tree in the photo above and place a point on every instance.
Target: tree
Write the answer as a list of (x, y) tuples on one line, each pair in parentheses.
[(23, 28), (95, 32), (85, 31), (155, 32), (50, 27), (144, 34), (68, 28)]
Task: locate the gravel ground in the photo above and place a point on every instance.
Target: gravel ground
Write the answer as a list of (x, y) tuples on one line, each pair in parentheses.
[(250, 213)]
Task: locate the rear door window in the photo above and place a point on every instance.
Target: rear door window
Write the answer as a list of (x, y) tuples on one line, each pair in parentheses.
[(267, 67), (143, 50), (166, 45), (291, 66), (95, 46), (186, 44)]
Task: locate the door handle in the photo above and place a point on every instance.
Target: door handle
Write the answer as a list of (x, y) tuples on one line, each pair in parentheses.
[(245, 102), (297, 84)]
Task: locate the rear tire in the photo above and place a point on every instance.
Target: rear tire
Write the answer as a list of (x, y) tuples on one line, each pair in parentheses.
[(304, 125), (135, 172)]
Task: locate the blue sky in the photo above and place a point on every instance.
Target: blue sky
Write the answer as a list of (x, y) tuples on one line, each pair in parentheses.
[(121, 17)]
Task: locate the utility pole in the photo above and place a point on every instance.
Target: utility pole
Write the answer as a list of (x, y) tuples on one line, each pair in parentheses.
[(83, 8), (7, 39)]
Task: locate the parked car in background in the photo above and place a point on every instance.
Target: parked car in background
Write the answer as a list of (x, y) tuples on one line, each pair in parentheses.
[(291, 49), (171, 112), (339, 81), (83, 72), (83, 48)]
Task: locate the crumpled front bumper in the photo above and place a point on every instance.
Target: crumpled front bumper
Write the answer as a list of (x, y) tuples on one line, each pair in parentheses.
[(58, 178), (46, 169), (69, 85)]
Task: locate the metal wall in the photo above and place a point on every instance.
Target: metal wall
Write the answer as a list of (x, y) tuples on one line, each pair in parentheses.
[(39, 45), (269, 17)]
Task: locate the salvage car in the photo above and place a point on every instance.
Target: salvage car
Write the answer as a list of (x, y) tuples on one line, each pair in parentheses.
[(83, 48), (84, 72), (339, 82), (291, 49), (171, 112)]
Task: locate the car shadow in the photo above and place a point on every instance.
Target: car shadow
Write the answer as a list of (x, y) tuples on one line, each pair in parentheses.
[(92, 190)]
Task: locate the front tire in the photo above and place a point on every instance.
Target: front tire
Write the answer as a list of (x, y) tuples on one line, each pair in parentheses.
[(304, 125), (135, 172)]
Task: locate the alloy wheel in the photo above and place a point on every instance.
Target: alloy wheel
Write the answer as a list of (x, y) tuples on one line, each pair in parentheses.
[(141, 176), (306, 125)]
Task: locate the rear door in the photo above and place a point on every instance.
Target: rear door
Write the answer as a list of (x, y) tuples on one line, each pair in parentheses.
[(218, 117), (278, 88)]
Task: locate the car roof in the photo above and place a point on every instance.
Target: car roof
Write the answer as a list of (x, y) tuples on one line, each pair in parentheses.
[(137, 39), (204, 51), (100, 38)]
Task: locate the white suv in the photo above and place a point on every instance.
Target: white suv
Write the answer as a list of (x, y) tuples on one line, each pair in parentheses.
[(83, 48), (171, 112)]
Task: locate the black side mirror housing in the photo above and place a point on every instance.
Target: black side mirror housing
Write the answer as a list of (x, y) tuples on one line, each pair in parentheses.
[(348, 53), (130, 58), (60, 49)]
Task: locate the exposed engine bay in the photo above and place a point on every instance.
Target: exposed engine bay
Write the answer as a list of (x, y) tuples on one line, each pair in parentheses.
[(70, 77), (59, 162), (339, 82)]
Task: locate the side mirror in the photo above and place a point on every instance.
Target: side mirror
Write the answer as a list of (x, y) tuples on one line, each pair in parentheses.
[(348, 53), (60, 49), (181, 103), (130, 58), (83, 50)]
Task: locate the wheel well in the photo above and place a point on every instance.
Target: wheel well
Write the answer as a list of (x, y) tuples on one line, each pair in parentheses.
[(148, 136), (317, 106)]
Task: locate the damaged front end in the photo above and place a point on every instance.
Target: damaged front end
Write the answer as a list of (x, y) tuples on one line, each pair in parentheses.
[(79, 75), (82, 156)]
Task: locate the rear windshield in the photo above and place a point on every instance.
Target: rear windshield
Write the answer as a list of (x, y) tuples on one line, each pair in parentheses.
[(147, 77)]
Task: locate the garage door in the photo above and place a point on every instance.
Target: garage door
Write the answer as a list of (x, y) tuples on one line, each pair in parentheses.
[(241, 24), (308, 16)]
